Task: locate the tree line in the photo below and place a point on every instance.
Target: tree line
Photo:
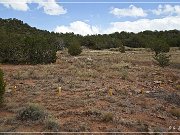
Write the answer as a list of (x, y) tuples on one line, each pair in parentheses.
[(23, 44)]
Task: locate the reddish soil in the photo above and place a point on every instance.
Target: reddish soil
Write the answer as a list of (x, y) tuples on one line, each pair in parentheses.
[(143, 93)]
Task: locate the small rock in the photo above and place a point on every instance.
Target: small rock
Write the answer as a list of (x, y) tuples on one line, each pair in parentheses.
[(154, 73), (137, 91), (161, 117), (170, 81), (147, 92), (150, 129), (8, 89), (89, 59), (157, 82)]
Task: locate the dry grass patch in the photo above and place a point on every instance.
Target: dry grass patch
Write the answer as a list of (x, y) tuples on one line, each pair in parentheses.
[(107, 117), (52, 125), (86, 73), (175, 112)]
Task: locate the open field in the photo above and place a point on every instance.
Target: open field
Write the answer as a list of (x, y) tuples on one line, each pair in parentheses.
[(102, 91)]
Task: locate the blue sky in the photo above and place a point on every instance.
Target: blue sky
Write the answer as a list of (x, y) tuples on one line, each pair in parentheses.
[(94, 18)]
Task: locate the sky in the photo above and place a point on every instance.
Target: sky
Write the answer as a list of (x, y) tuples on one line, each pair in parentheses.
[(94, 16)]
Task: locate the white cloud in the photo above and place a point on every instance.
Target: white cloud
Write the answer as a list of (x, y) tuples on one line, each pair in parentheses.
[(18, 5), (132, 11), (78, 27), (167, 10), (82, 28), (50, 7), (167, 23)]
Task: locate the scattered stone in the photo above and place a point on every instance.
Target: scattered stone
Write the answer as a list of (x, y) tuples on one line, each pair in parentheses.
[(157, 82), (139, 91), (147, 92), (161, 117), (8, 90), (170, 81), (89, 59)]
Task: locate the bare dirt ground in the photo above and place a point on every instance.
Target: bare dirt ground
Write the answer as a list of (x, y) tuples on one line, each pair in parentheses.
[(102, 91)]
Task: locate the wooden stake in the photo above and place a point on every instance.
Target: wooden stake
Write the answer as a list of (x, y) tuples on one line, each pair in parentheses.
[(59, 91)]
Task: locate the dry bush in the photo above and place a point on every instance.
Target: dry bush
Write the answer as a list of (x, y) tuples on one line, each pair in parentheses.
[(107, 117), (31, 112), (175, 112), (124, 74), (162, 59), (52, 125)]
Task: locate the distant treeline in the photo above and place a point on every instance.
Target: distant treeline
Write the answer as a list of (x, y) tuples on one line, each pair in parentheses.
[(21, 43)]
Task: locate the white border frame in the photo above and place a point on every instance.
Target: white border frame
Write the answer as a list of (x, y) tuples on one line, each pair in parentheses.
[(89, 2), (89, 132), (99, 2)]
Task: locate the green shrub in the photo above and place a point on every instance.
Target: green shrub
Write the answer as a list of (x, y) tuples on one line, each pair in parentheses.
[(162, 59), (74, 49), (2, 87), (122, 49), (31, 113), (39, 50), (159, 46), (34, 49)]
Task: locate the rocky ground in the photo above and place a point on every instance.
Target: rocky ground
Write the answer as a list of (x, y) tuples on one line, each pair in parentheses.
[(101, 91)]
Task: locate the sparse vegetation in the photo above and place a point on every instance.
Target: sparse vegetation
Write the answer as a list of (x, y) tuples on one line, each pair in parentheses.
[(2, 87), (93, 97), (85, 99)]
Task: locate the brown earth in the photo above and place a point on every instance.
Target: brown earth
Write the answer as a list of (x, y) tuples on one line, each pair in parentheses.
[(143, 94)]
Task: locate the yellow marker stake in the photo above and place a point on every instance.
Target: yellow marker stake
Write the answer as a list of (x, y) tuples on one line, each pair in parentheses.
[(59, 91), (110, 92), (142, 91), (15, 88)]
